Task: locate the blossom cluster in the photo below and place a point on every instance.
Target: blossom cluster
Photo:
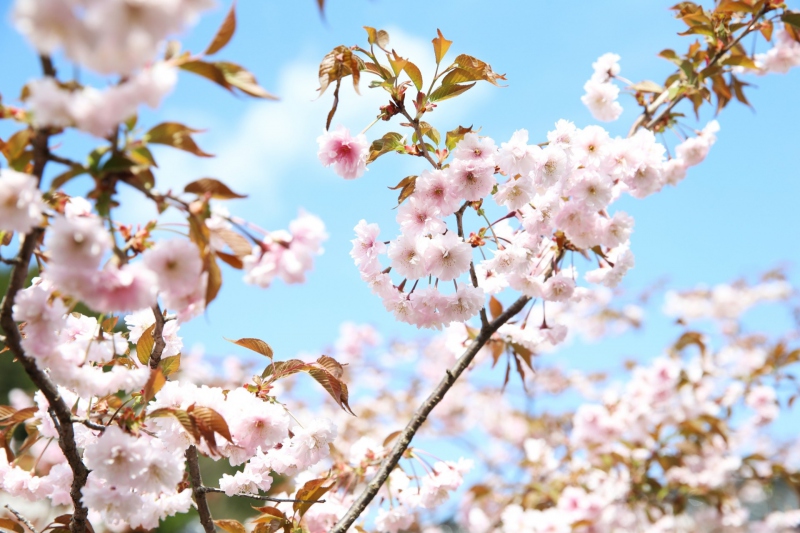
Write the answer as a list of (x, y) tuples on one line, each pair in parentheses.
[(564, 189), (601, 93), (784, 55), (109, 37)]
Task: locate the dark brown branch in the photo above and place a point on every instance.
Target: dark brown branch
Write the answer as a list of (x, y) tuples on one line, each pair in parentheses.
[(421, 414), (158, 337), (59, 411), (415, 123), (472, 274), (198, 492), (259, 497)]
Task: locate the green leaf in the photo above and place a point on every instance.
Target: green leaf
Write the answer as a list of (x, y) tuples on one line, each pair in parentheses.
[(453, 137), (145, 344), (792, 18), (175, 135), (224, 33), (389, 142), (740, 61), (60, 180), (449, 91), (214, 187), (170, 365)]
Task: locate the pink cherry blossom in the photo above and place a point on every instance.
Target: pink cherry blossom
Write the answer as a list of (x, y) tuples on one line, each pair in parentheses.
[(347, 154)]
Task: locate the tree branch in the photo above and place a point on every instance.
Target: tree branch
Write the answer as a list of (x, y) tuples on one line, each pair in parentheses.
[(158, 337), (59, 411), (642, 120), (21, 518), (259, 497), (198, 490), (415, 123)]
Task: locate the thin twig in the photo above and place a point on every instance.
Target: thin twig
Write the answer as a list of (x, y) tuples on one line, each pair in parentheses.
[(472, 274), (259, 497), (197, 490), (415, 124), (421, 414), (642, 120), (21, 518), (88, 423)]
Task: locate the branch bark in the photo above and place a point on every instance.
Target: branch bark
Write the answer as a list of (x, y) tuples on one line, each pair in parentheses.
[(642, 120), (158, 337), (199, 491), (421, 414), (59, 410)]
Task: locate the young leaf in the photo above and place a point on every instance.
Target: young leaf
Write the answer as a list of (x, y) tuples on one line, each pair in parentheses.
[(792, 18), (231, 526), (175, 135), (331, 365), (379, 37), (311, 491), (214, 187), (440, 46), (224, 33), (478, 68), (153, 385), (257, 345), (389, 142), (214, 279), (449, 91), (453, 137), (170, 365), (209, 71), (336, 388), (244, 80), (238, 244), (413, 72), (495, 307), (230, 260), (144, 347)]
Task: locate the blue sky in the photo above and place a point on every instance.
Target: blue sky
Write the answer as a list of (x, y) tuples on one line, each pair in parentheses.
[(735, 215)]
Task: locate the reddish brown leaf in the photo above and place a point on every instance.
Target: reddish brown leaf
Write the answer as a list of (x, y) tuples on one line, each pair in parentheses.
[(224, 33)]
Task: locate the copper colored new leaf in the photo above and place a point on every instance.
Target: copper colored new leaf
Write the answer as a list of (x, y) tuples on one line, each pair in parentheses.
[(224, 33), (145, 344), (440, 46), (10, 525), (495, 307), (153, 385), (331, 365), (336, 388), (311, 491), (231, 526), (214, 187), (244, 80), (175, 135), (256, 345), (478, 68), (449, 91)]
